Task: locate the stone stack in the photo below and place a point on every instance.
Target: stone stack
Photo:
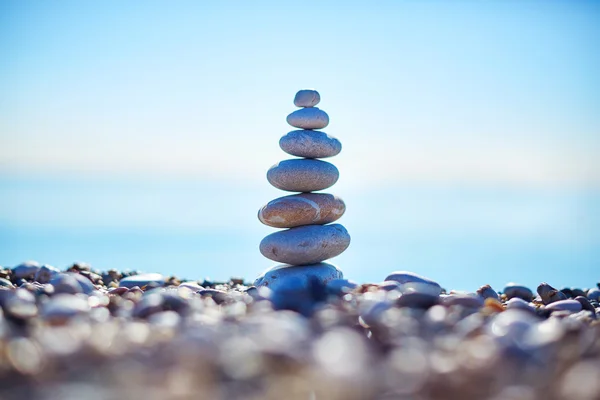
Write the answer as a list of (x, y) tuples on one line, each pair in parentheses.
[(309, 237)]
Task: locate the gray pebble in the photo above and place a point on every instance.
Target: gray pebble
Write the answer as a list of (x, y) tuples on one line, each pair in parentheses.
[(593, 294), (71, 283), (305, 244), (310, 144), (411, 282), (308, 118), (565, 305), (276, 277), (307, 98), (26, 270), (512, 290), (302, 175), (417, 300), (46, 273), (142, 280), (464, 300), (64, 306)]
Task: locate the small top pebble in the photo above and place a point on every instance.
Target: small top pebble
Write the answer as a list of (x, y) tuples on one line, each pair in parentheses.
[(307, 98)]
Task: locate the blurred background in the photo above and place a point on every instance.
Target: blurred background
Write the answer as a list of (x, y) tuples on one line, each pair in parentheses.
[(137, 135)]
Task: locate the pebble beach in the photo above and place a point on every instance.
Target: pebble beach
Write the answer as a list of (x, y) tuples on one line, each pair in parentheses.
[(85, 333)]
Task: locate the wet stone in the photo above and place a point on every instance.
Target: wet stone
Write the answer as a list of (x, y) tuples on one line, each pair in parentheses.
[(303, 175), (306, 244), (310, 144), (302, 209)]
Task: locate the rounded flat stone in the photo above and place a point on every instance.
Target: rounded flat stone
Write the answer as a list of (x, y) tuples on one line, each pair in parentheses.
[(302, 175), (512, 290), (142, 280), (308, 118), (411, 282), (302, 209), (310, 144), (278, 276), (565, 305), (306, 244), (307, 98)]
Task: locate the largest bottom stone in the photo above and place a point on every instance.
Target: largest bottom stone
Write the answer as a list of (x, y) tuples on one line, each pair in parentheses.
[(306, 244)]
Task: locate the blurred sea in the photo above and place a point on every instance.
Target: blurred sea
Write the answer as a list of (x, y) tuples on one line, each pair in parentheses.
[(462, 237)]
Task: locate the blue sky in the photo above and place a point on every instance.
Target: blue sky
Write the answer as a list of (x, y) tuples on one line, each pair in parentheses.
[(448, 101)]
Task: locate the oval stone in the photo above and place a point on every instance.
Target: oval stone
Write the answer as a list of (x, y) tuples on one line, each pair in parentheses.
[(565, 305), (307, 98), (411, 282), (308, 118), (310, 144), (512, 290), (142, 280), (306, 244), (278, 276), (302, 175), (302, 209)]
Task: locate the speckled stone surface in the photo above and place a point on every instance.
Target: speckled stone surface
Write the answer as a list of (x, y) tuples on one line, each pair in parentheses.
[(307, 98), (279, 275), (308, 118), (302, 209), (305, 244), (310, 144), (302, 175)]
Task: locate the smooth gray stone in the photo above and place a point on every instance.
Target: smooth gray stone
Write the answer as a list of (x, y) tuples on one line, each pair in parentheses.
[(308, 118), (307, 98), (464, 300), (305, 244), (411, 282), (565, 305), (515, 290), (64, 306), (550, 294), (593, 294), (519, 303), (193, 286), (417, 300), (71, 283), (276, 277), (310, 144), (142, 280), (46, 273), (302, 175), (26, 269)]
